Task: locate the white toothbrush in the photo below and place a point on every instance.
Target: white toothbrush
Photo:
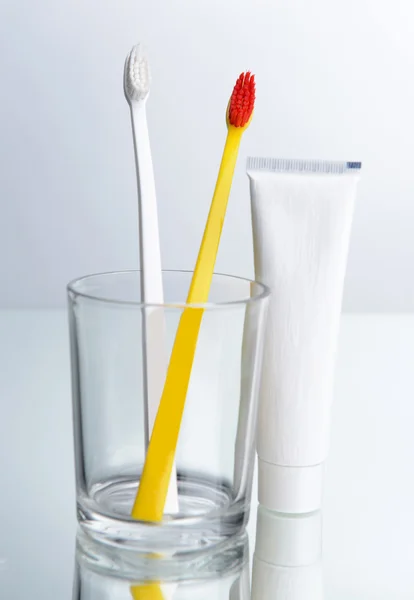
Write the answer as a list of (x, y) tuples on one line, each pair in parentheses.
[(136, 86)]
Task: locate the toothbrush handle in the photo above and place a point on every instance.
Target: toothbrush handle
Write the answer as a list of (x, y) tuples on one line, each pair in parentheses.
[(151, 496), (155, 357), (148, 214), (152, 491), (203, 272)]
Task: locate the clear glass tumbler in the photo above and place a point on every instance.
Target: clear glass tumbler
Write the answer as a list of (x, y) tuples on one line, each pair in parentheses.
[(215, 454)]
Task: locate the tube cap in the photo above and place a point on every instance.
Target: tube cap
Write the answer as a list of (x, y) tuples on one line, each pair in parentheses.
[(292, 490)]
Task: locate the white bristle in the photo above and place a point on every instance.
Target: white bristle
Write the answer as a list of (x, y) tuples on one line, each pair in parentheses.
[(137, 74)]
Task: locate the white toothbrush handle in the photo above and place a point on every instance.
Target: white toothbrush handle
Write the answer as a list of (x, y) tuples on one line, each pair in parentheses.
[(246, 428), (154, 326), (148, 215)]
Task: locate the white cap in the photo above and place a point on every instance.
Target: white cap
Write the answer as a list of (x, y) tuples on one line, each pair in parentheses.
[(288, 540), (290, 489)]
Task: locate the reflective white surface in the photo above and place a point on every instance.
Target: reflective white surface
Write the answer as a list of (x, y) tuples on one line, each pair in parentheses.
[(368, 516)]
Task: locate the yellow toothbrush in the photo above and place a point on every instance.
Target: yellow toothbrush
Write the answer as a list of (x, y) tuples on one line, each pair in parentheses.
[(152, 490)]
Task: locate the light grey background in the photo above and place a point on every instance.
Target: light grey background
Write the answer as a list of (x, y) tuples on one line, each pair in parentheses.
[(334, 81)]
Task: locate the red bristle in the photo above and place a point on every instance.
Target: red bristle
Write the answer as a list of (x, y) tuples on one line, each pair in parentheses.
[(242, 100)]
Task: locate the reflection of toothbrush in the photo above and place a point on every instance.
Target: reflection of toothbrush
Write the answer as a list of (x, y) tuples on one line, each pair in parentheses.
[(148, 591), (136, 87), (151, 496)]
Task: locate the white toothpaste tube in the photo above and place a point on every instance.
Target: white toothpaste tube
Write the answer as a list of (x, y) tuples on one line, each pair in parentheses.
[(301, 214)]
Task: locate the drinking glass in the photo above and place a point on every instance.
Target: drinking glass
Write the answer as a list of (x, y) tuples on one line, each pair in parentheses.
[(215, 452)]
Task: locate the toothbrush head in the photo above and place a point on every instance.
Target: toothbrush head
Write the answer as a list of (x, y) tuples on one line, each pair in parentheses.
[(241, 103), (137, 76)]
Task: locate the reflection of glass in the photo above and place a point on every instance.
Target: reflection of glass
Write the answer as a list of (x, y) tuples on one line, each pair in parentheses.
[(287, 560), (108, 573), (216, 444)]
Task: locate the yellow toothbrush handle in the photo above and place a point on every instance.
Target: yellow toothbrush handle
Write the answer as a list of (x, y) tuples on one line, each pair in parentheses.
[(150, 591), (203, 272), (153, 487)]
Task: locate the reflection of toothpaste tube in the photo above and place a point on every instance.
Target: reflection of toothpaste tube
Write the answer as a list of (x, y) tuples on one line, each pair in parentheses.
[(240, 590), (287, 563), (302, 214)]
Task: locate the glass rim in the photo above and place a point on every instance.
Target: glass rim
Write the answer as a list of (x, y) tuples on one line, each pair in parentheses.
[(262, 295)]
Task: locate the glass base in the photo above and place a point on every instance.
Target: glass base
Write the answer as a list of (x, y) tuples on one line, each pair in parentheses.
[(230, 556), (208, 517)]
